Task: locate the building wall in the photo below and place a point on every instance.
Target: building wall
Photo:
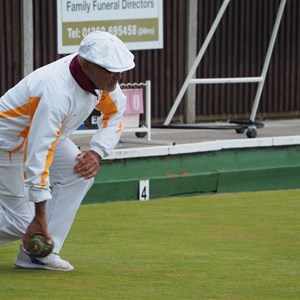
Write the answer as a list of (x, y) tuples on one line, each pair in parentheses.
[(10, 44), (237, 49)]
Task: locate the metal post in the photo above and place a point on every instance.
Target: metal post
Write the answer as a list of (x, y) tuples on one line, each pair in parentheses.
[(197, 61), (267, 60), (225, 80), (148, 108)]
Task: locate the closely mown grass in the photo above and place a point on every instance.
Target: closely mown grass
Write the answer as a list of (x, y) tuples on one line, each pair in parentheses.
[(230, 246)]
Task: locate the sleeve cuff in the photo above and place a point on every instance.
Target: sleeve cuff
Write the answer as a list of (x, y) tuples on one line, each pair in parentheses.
[(99, 151), (38, 195)]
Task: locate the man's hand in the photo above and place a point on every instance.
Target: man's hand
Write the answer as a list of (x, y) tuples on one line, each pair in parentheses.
[(38, 225), (88, 164)]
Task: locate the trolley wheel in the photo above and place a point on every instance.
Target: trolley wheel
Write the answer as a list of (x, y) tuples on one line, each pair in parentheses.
[(251, 133), (141, 134), (240, 130)]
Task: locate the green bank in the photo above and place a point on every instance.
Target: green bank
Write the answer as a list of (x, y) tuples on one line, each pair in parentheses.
[(229, 170)]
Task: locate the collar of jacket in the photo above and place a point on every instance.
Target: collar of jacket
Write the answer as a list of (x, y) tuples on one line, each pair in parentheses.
[(80, 77)]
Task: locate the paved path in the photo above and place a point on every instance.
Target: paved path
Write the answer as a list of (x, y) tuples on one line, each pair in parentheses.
[(162, 136)]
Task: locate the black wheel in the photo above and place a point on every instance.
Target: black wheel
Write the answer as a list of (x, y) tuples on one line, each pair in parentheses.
[(251, 133), (240, 130), (141, 134)]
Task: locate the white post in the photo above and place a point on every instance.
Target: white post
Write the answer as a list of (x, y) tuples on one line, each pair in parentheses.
[(27, 37), (148, 109), (191, 42)]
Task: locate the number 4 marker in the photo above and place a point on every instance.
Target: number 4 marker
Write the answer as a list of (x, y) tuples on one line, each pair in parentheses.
[(144, 190)]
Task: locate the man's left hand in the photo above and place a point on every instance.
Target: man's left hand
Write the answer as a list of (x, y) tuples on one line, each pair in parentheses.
[(88, 164)]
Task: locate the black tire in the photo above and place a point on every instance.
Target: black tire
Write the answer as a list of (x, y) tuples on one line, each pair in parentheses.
[(240, 130), (251, 133), (141, 134)]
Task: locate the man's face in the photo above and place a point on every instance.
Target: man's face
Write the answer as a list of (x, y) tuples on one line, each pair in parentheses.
[(102, 78)]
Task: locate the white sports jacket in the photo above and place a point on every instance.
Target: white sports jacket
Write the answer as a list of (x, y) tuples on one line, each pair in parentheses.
[(48, 105)]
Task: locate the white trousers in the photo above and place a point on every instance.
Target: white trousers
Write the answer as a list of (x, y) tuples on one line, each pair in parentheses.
[(68, 191)]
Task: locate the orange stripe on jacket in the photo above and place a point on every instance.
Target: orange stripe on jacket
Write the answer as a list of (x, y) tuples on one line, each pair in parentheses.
[(49, 160), (23, 110), (25, 157), (33, 104), (120, 127), (24, 134), (107, 106)]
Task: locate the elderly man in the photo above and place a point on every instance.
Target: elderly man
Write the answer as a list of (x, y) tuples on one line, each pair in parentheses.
[(43, 175)]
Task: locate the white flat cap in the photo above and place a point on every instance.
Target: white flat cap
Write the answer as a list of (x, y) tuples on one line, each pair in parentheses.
[(107, 51)]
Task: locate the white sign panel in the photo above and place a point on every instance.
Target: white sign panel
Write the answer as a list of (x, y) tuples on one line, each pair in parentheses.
[(144, 190), (138, 23)]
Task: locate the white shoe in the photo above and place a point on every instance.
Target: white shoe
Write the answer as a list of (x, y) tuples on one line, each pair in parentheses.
[(51, 262)]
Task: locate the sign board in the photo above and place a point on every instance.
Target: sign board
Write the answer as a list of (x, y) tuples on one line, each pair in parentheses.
[(134, 107), (138, 23), (144, 190), (135, 101)]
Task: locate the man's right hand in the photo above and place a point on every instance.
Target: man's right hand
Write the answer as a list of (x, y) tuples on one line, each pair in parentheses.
[(38, 225)]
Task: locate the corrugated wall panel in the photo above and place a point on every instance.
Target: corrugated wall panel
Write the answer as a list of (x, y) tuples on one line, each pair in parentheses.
[(10, 44), (164, 67), (45, 32), (238, 49)]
